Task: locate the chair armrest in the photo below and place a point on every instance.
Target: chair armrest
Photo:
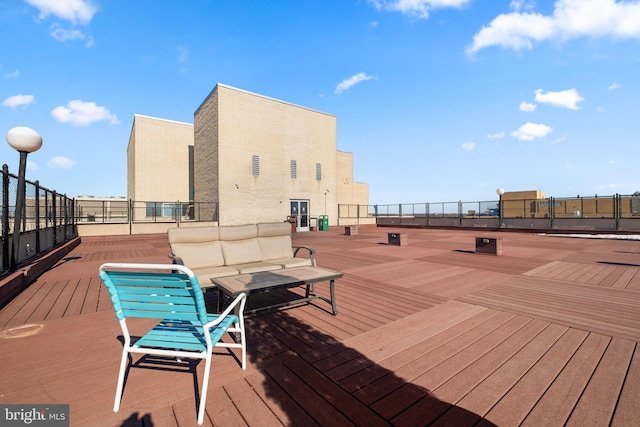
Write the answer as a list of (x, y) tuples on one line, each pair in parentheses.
[(176, 259), (240, 299), (310, 249)]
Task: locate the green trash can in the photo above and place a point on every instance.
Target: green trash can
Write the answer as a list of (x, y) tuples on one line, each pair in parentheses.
[(323, 222)]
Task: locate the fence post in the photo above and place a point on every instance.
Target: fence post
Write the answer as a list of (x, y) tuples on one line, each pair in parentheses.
[(5, 216), (66, 216), (54, 217), (617, 209), (428, 213), (37, 203), (74, 230)]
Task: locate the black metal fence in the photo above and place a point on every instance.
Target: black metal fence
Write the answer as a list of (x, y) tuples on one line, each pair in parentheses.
[(47, 219), (619, 213)]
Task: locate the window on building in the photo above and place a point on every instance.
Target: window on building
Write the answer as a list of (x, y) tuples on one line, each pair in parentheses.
[(160, 209), (318, 172), (255, 165), (294, 169)]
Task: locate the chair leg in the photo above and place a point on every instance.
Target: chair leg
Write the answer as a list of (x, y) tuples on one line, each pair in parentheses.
[(124, 362), (205, 387), (243, 344)]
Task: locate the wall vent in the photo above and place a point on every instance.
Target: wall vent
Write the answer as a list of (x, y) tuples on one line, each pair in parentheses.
[(255, 165)]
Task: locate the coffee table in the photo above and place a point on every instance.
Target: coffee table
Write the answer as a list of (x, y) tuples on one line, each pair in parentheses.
[(266, 281)]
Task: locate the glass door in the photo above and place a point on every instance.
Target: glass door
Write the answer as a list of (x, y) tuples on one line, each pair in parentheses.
[(300, 209)]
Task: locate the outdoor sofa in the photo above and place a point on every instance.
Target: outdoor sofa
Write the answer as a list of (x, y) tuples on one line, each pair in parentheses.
[(221, 251)]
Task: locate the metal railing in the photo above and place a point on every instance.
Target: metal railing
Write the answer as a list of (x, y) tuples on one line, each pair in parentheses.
[(618, 212), (47, 219), (122, 211)]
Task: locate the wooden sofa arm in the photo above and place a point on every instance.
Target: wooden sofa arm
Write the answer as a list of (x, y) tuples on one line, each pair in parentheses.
[(310, 249)]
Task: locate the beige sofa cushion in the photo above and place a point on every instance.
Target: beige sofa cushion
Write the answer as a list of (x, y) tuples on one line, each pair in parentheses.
[(241, 251), (290, 262), (268, 229), (205, 275), (275, 247), (199, 255), (193, 234), (198, 246), (238, 232), (275, 240)]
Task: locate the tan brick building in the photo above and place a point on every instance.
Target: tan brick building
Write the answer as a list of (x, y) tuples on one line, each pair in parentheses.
[(260, 159)]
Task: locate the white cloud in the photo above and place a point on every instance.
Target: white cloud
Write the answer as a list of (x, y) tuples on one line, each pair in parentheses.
[(83, 113), (17, 100), (64, 34), (615, 86), (567, 98), (13, 75), (527, 108), (498, 135), (416, 8), (351, 81), (31, 166), (74, 11), (559, 139), (519, 5), (60, 162), (618, 20), (468, 146), (530, 131)]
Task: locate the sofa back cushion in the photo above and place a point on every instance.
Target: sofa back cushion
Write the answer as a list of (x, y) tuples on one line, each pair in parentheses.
[(199, 247), (193, 234), (240, 244), (275, 240)]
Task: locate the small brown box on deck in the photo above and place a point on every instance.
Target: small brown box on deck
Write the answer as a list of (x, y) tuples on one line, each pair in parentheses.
[(489, 245), (351, 230), (398, 239)]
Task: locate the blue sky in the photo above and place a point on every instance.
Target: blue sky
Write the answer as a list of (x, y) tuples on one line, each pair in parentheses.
[(438, 100)]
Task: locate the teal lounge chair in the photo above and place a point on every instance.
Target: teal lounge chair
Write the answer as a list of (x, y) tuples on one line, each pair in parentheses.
[(172, 293)]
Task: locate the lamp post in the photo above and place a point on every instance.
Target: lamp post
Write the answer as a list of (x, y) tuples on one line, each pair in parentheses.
[(500, 192), (25, 141), (325, 201)]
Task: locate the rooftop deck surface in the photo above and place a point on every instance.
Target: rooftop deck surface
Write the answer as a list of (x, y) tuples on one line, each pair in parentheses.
[(429, 333)]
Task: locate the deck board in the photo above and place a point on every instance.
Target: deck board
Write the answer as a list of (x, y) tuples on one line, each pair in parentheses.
[(429, 333)]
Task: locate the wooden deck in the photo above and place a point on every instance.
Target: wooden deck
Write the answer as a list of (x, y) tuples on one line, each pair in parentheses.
[(428, 334)]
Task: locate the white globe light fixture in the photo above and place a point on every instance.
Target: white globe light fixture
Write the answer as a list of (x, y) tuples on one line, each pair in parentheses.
[(24, 140), (500, 191)]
